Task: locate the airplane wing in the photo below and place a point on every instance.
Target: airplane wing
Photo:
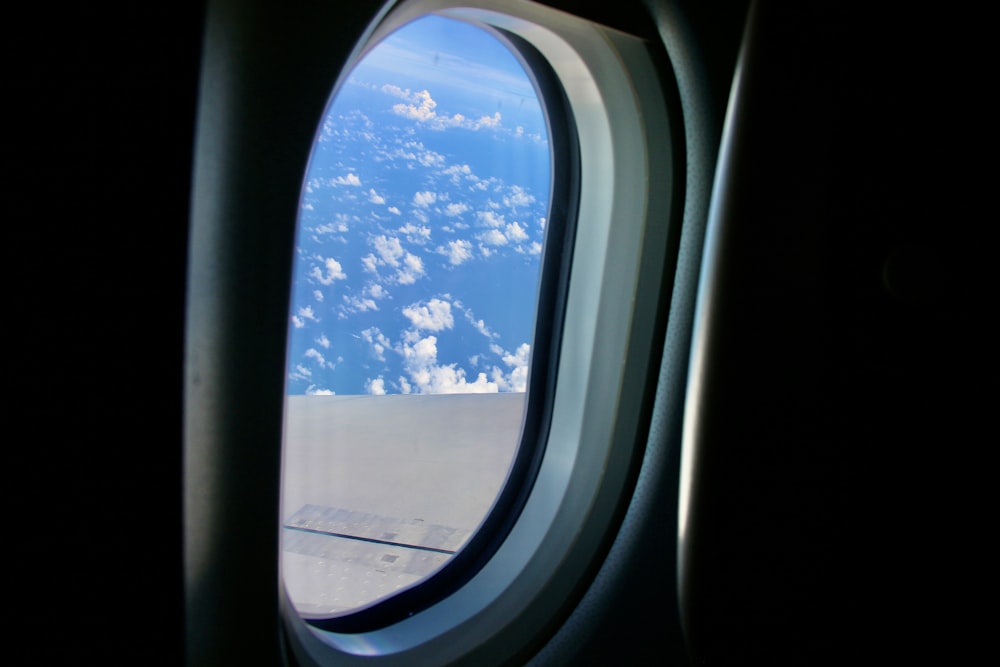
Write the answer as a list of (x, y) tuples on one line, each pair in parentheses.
[(337, 560)]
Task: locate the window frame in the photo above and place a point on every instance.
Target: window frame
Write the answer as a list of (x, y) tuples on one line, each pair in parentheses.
[(602, 373), (549, 305)]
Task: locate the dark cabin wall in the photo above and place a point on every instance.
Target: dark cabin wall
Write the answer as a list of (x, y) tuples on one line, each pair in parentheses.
[(842, 381), (99, 111)]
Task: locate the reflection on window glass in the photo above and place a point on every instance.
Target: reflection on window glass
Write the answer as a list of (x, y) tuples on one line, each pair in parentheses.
[(416, 273)]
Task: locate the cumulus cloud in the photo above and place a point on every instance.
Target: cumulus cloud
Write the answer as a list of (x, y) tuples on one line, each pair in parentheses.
[(375, 387), (378, 342), (435, 315), (338, 226), (415, 234), (515, 232), (375, 197), (412, 269), (355, 304), (333, 271), (317, 356), (421, 107), (490, 219), (455, 209), (376, 291), (424, 199), (534, 248), (457, 172), (427, 376), (517, 197), (458, 251), (306, 313), (369, 263), (487, 121), (493, 237), (518, 363), (388, 248), (348, 179)]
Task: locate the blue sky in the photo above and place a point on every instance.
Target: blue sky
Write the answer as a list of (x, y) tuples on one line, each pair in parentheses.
[(421, 222)]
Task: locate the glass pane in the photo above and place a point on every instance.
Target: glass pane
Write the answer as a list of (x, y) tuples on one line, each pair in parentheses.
[(414, 295)]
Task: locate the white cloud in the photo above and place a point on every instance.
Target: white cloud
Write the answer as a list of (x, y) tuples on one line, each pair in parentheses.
[(396, 91), (306, 313), (375, 387), (429, 377), (518, 361), (479, 325), (356, 304), (490, 219), (458, 251), (493, 237), (487, 121), (415, 234), (350, 179), (424, 199), (515, 232), (378, 341), (323, 341), (457, 172), (333, 271), (375, 197), (422, 108), (376, 291), (434, 316), (317, 356), (338, 225), (318, 295), (452, 210), (313, 390), (388, 248), (393, 210), (534, 249), (430, 159), (412, 270), (517, 197), (518, 358)]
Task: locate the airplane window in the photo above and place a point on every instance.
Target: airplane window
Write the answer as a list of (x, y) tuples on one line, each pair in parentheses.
[(480, 197), (416, 279)]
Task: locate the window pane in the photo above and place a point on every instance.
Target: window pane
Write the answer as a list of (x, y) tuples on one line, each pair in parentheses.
[(416, 275)]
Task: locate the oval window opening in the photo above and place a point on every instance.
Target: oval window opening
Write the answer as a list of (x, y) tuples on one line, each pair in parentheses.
[(415, 290)]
